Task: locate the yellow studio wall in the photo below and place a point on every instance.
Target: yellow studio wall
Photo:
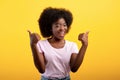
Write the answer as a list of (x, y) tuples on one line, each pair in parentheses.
[(100, 17)]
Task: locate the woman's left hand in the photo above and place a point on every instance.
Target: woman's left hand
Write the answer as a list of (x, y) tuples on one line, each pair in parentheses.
[(83, 37)]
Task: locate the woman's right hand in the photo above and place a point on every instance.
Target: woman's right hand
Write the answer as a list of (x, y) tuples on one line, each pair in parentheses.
[(39, 59), (34, 37)]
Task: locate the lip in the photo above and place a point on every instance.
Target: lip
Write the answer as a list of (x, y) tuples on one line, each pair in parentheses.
[(61, 33)]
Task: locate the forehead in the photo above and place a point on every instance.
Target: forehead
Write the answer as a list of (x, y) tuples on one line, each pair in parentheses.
[(61, 21)]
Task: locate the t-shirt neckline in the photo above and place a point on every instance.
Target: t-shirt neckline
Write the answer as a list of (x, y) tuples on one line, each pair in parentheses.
[(54, 47)]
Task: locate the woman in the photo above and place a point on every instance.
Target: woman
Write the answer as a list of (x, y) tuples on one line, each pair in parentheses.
[(55, 57)]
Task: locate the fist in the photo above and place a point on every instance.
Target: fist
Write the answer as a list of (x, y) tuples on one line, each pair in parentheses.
[(34, 37), (83, 37)]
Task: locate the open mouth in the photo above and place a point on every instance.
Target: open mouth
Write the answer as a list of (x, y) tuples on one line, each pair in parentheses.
[(62, 33)]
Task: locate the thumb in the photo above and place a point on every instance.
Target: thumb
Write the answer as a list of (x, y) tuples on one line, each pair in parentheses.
[(87, 32), (29, 32)]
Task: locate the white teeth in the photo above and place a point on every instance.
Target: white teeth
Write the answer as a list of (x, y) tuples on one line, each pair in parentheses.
[(62, 33)]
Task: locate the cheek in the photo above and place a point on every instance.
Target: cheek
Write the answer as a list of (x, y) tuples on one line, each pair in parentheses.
[(54, 31), (66, 29)]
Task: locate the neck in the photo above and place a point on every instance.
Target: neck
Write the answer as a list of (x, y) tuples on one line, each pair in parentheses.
[(56, 40)]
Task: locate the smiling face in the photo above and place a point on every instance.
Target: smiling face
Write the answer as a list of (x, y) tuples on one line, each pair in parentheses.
[(59, 29)]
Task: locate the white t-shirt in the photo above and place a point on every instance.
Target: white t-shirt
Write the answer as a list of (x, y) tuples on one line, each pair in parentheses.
[(58, 60)]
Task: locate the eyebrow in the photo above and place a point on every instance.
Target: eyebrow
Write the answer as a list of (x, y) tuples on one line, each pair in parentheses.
[(59, 23)]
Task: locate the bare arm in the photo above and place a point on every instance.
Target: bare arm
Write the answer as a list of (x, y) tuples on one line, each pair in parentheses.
[(38, 57), (77, 59)]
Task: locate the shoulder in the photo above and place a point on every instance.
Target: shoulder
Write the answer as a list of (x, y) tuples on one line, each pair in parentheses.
[(72, 46), (42, 41), (70, 43)]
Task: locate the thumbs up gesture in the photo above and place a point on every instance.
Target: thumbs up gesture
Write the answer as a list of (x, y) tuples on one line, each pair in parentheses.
[(34, 37), (83, 37)]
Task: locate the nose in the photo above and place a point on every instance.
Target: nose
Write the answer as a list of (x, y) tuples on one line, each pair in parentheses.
[(62, 27)]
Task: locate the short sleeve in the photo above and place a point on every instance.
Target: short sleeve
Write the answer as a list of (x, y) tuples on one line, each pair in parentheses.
[(74, 48), (39, 47)]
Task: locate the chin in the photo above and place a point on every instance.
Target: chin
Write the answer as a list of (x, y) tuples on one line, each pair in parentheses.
[(61, 37)]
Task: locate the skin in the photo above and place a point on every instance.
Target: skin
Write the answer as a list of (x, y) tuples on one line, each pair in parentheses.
[(59, 29), (39, 59), (77, 59)]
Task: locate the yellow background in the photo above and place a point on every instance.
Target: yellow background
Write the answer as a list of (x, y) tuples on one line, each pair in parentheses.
[(100, 17)]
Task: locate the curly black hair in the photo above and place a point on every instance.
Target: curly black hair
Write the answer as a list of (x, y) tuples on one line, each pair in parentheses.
[(51, 15)]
